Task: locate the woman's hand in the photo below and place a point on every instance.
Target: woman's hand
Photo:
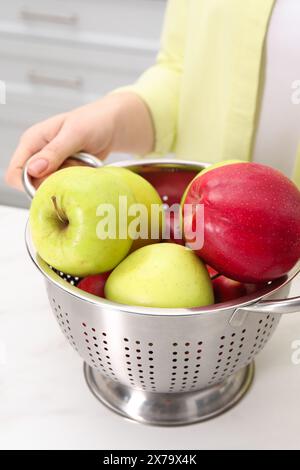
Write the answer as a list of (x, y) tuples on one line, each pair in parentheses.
[(118, 122)]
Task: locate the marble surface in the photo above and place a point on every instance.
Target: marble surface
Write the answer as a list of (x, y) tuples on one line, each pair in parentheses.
[(45, 403)]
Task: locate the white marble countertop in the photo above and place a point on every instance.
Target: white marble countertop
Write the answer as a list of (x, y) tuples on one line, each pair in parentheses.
[(45, 403)]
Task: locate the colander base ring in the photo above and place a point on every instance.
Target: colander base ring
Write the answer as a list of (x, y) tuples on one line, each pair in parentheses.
[(170, 409)]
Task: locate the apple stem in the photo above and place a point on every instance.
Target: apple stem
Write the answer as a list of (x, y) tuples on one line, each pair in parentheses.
[(59, 212)]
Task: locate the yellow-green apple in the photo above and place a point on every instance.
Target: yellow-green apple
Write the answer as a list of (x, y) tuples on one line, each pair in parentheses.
[(251, 221), (146, 195), (163, 275), (68, 221)]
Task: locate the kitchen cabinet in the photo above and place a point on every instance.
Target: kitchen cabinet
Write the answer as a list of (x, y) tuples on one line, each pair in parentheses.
[(56, 55)]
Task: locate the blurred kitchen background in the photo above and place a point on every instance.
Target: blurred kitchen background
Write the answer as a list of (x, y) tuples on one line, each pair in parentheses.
[(59, 54)]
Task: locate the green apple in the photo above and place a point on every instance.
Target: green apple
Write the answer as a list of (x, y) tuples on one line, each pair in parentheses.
[(65, 218), (146, 195), (164, 275)]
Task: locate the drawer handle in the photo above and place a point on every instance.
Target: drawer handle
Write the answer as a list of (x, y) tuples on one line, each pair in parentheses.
[(39, 79), (28, 15)]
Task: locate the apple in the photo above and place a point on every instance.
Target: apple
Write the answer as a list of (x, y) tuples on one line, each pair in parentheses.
[(173, 232), (94, 284), (251, 221), (212, 272), (145, 194), (209, 168), (64, 220), (163, 275), (226, 289), (220, 164), (170, 183)]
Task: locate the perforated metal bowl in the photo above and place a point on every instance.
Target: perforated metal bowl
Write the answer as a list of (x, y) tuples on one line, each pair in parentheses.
[(165, 366)]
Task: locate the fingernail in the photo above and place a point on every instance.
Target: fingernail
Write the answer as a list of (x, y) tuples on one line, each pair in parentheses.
[(38, 166)]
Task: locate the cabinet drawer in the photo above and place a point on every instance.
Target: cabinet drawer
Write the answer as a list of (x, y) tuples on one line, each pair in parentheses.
[(20, 112), (135, 18), (68, 74), (123, 55), (9, 137), (11, 197), (74, 83), (24, 108)]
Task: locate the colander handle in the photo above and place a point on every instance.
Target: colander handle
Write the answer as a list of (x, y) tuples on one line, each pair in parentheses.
[(88, 159), (265, 307), (279, 307)]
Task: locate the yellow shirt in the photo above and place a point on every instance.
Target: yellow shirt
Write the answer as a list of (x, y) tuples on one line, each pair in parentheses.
[(204, 89)]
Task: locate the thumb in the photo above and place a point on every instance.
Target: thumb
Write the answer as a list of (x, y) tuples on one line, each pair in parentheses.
[(53, 155)]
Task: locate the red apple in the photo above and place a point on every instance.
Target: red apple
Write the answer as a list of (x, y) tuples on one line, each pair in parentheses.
[(251, 221), (169, 183), (212, 272), (226, 289), (94, 284)]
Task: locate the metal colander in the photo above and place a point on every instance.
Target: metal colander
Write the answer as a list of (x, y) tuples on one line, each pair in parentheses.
[(165, 366)]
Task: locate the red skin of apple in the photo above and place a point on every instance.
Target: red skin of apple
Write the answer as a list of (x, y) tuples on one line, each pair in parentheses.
[(94, 284), (170, 184), (251, 221), (226, 289)]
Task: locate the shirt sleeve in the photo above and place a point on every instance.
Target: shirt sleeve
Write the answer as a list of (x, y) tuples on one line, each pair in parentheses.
[(159, 86), (296, 176)]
